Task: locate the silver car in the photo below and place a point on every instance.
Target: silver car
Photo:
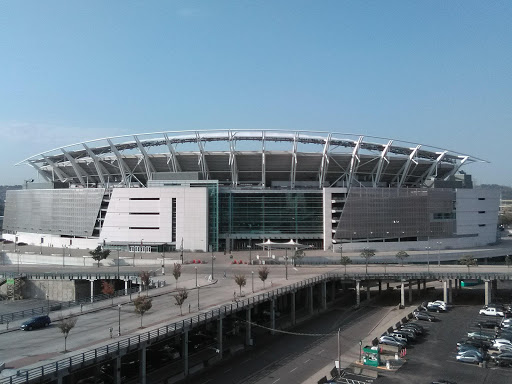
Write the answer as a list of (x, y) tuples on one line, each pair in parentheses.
[(470, 357)]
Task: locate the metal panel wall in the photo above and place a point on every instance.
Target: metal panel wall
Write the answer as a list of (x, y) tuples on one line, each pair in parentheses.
[(71, 212)]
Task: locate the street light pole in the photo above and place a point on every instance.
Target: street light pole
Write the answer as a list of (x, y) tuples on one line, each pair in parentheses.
[(250, 255), (48, 302), (119, 322), (213, 259), (198, 288), (286, 262), (252, 274), (196, 275), (118, 262), (339, 354), (439, 253), (63, 254), (428, 258)]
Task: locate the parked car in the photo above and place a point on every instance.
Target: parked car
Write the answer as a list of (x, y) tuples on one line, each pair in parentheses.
[(36, 322), (470, 357), (485, 344), (491, 311), (499, 342), (503, 359), (467, 347), (418, 315), (389, 340), (487, 324), (505, 348), (477, 335), (414, 331), (433, 307), (417, 326), (439, 303)]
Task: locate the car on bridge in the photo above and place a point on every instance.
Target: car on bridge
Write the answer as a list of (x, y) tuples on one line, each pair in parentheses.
[(35, 322)]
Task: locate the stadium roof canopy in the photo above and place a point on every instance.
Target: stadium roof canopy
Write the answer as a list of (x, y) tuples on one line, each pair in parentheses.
[(249, 158)]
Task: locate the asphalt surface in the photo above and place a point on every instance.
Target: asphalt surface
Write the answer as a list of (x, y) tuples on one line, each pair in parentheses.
[(433, 357)]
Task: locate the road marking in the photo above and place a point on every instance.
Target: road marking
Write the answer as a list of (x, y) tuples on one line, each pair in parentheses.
[(227, 370), (207, 381), (293, 369), (321, 351), (274, 382), (307, 360), (245, 361)]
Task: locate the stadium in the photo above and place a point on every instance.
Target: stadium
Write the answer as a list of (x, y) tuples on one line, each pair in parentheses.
[(232, 189)]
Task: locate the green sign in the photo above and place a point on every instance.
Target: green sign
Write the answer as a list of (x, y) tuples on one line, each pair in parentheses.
[(10, 281)]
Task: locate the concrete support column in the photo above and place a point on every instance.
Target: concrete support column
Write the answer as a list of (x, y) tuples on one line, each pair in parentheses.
[(445, 291), (410, 291), (324, 295), (292, 314), (310, 299), (418, 282), (117, 370), (424, 285), (60, 380), (272, 317), (126, 287), (387, 286), (494, 291), (248, 327), (358, 293), (333, 290), (487, 292), (92, 290), (184, 353), (402, 293), (142, 365), (450, 292), (368, 290), (219, 336), (380, 287)]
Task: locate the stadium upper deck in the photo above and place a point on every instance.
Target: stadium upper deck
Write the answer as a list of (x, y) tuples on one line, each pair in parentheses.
[(250, 158)]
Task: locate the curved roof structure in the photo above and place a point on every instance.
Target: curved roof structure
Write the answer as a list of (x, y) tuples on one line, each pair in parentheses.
[(254, 158)]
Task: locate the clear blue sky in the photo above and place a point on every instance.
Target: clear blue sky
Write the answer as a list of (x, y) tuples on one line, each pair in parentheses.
[(434, 72)]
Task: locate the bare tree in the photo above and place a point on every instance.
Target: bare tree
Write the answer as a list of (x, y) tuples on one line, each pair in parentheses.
[(263, 274), (144, 279), (99, 254), (142, 305), (176, 272), (402, 255), (367, 254), (240, 280), (298, 255), (345, 260), (180, 297), (108, 289), (66, 325), (468, 261)]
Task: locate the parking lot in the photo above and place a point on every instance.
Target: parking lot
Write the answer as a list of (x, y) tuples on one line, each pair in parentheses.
[(433, 357)]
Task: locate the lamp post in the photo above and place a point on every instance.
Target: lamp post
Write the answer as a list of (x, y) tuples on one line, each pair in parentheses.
[(63, 254), (41, 246), (198, 288), (118, 262), (119, 322), (48, 302), (428, 258), (213, 259), (141, 249), (360, 349), (163, 259), (196, 275), (339, 354), (252, 276), (439, 253), (181, 248), (250, 254), (286, 263)]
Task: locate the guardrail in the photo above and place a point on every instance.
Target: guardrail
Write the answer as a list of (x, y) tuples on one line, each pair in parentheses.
[(18, 315)]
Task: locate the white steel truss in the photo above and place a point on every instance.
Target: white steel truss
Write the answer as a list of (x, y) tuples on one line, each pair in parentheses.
[(293, 170), (325, 162), (232, 160), (407, 166), (175, 165), (78, 170), (100, 169), (433, 168), (456, 168), (202, 158), (39, 170), (354, 161), (380, 165), (147, 161), (123, 168), (63, 177)]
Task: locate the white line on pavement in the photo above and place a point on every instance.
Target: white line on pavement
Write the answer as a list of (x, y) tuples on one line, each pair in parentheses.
[(293, 369), (276, 381), (227, 370), (307, 360)]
